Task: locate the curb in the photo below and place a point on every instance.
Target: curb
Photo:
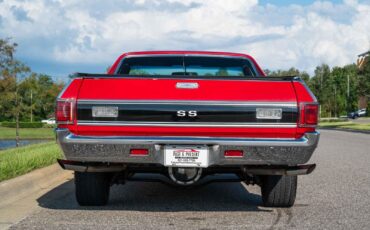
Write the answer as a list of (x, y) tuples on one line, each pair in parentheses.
[(32, 182), (346, 130)]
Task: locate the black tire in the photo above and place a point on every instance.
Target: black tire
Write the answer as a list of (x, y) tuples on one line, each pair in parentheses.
[(92, 189), (278, 191)]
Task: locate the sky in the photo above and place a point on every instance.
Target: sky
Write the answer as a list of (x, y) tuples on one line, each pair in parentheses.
[(59, 37)]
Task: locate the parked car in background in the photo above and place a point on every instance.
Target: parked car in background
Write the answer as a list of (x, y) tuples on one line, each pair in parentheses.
[(358, 113), (50, 121)]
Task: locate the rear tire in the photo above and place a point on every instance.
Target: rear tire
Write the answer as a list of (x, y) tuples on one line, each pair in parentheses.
[(92, 189), (278, 191)]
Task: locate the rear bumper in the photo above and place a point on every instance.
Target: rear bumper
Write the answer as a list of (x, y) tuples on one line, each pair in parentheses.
[(279, 151)]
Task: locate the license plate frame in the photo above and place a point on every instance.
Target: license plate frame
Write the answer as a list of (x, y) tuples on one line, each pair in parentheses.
[(186, 156)]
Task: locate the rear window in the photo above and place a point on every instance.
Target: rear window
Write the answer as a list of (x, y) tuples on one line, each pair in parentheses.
[(187, 66)]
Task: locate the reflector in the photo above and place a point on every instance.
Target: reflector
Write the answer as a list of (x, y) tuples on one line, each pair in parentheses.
[(139, 152), (234, 153)]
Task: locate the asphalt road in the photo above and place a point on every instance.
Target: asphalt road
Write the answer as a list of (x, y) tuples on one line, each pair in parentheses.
[(335, 196)]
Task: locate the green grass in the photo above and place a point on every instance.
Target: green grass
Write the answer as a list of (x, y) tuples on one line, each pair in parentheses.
[(18, 161), (345, 125), (27, 133)]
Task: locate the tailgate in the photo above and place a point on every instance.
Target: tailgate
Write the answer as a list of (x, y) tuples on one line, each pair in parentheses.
[(177, 107)]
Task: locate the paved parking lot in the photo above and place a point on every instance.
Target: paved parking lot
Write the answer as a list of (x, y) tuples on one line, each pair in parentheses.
[(335, 196)]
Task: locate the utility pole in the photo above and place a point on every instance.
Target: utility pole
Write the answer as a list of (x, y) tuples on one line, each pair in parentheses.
[(335, 101), (347, 101), (16, 105), (31, 107), (348, 86)]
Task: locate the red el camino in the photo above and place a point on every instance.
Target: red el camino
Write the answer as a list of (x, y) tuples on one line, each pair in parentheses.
[(186, 115)]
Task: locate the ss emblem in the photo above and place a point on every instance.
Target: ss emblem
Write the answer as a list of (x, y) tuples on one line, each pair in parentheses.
[(183, 113)]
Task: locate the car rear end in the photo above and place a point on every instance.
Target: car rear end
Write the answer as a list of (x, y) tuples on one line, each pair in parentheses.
[(187, 115)]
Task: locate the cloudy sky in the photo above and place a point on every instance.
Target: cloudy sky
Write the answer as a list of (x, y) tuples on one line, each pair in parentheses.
[(60, 37)]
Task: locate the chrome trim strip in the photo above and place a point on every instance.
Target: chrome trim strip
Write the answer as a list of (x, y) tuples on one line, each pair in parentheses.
[(188, 102), (309, 139), (187, 124)]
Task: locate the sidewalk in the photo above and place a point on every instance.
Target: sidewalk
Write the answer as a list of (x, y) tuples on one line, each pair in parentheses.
[(19, 195)]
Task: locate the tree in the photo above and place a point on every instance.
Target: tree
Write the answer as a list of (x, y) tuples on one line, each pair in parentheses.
[(222, 72), (7, 50), (336, 89), (321, 86), (28, 92), (290, 72), (41, 104), (12, 70), (364, 79), (7, 88), (279, 73)]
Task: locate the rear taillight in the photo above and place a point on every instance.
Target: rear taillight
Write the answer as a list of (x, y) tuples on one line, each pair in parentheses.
[(64, 112), (309, 114)]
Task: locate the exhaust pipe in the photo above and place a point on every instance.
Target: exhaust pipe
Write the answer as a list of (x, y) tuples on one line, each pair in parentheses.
[(184, 176)]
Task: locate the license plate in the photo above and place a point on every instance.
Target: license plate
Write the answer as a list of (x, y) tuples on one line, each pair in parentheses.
[(186, 156), (267, 113)]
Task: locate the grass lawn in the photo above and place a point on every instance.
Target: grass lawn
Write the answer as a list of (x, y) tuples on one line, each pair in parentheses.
[(27, 133), (18, 161), (345, 125)]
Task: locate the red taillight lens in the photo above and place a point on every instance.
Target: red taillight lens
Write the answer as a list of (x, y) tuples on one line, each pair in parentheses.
[(233, 153), (139, 152), (64, 112), (309, 114)]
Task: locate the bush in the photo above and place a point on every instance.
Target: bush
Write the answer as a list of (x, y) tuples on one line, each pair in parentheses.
[(333, 119), (22, 124), (49, 125)]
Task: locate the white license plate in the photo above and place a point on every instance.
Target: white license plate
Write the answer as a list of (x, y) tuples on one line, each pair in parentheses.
[(186, 156), (268, 113)]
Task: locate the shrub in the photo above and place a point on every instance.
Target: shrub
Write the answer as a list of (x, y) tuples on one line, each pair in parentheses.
[(49, 125), (333, 119), (22, 124)]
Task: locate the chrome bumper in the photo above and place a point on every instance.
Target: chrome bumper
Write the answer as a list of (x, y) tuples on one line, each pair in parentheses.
[(257, 151)]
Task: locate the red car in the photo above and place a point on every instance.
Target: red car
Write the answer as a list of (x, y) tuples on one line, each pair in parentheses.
[(186, 115)]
